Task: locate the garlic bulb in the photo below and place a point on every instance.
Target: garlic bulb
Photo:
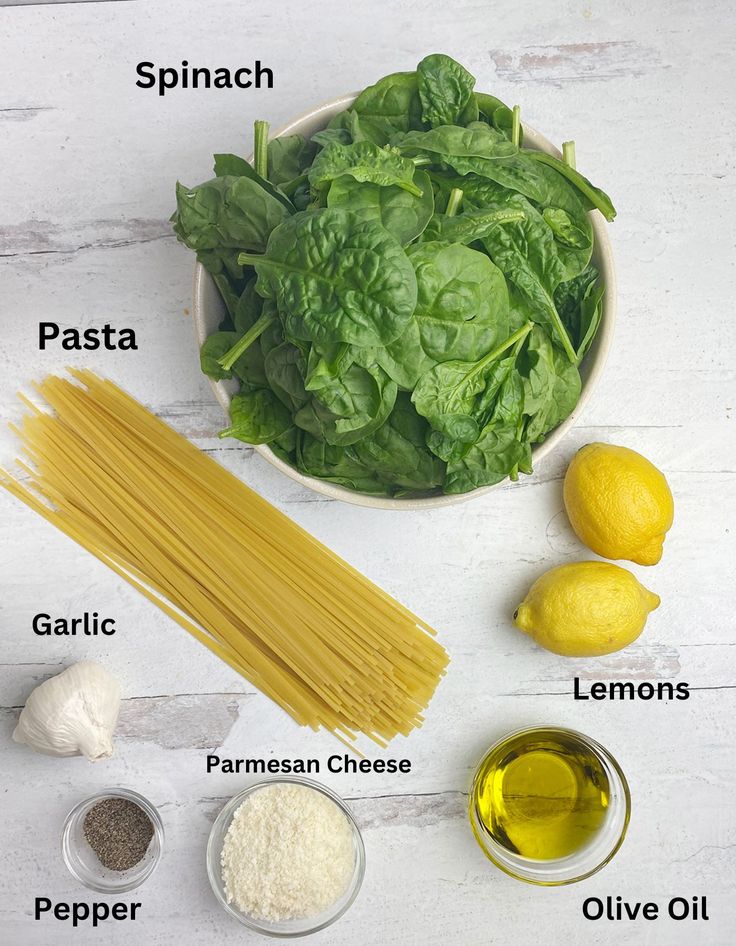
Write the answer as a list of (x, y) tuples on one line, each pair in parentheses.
[(73, 713)]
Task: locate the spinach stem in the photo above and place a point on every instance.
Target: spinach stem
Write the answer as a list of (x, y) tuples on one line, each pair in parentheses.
[(518, 336), (411, 188), (519, 343), (250, 259), (514, 474), (568, 153), (260, 148), (242, 344), (420, 160), (516, 125), (454, 201), (525, 329), (595, 195), (561, 332)]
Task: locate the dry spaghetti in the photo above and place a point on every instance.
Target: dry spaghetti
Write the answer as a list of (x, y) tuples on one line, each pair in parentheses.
[(306, 628)]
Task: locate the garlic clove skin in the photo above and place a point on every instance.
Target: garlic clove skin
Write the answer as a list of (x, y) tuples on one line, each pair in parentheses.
[(96, 744), (73, 713)]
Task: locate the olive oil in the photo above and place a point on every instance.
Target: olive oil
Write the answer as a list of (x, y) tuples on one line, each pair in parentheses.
[(540, 794)]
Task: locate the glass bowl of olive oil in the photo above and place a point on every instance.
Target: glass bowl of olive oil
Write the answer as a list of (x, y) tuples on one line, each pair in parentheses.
[(549, 806)]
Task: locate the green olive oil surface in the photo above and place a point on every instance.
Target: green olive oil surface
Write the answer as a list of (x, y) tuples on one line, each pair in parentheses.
[(542, 794)]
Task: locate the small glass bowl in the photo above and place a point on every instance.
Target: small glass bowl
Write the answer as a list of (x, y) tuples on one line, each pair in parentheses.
[(82, 860), (586, 860), (286, 929)]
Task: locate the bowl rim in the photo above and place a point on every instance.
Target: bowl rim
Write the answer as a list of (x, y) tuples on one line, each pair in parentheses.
[(158, 836), (607, 759), (595, 365), (214, 847)]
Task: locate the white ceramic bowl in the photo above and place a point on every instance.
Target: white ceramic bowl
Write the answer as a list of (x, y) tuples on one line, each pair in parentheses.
[(209, 310)]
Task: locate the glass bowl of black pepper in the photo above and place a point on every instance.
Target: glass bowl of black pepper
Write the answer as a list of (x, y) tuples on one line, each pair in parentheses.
[(112, 841)]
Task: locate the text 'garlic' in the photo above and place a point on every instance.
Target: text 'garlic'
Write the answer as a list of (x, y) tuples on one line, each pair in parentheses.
[(73, 713)]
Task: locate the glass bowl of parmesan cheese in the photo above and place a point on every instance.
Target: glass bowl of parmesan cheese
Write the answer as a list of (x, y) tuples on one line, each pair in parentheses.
[(285, 857)]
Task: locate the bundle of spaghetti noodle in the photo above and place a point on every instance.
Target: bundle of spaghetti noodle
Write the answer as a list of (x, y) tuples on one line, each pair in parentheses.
[(280, 608)]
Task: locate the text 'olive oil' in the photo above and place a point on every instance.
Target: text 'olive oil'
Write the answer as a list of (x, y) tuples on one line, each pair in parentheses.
[(541, 794)]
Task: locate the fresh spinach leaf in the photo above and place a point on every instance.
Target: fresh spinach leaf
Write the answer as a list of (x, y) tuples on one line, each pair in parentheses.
[(248, 308), (284, 447), (496, 113), (404, 360), (471, 226), (224, 263), (214, 347), (227, 212), (257, 417), (507, 170), (363, 161), (485, 407), (591, 312), (401, 213), (453, 145), (445, 91), (249, 368), (462, 302), (526, 252), (288, 158), (336, 465), (301, 196), (453, 394), (347, 128), (228, 276), (551, 385), (284, 366), (337, 280), (349, 407), (564, 229), (499, 450), (487, 461), (488, 105), (574, 238), (547, 192), (580, 304), (231, 165), (325, 363), (391, 105), (594, 196), (331, 136), (397, 451), (446, 447)]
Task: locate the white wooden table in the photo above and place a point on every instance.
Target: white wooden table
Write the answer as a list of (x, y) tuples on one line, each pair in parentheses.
[(88, 166)]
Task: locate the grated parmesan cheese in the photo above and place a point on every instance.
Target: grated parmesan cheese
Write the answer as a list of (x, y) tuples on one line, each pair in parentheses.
[(288, 853)]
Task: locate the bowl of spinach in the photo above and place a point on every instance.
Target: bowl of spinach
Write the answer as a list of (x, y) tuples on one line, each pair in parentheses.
[(405, 297)]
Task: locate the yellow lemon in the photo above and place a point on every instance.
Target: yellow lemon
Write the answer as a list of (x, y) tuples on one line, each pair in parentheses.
[(618, 503), (585, 609)]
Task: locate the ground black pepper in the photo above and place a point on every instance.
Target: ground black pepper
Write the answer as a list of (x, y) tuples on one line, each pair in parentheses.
[(119, 832)]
